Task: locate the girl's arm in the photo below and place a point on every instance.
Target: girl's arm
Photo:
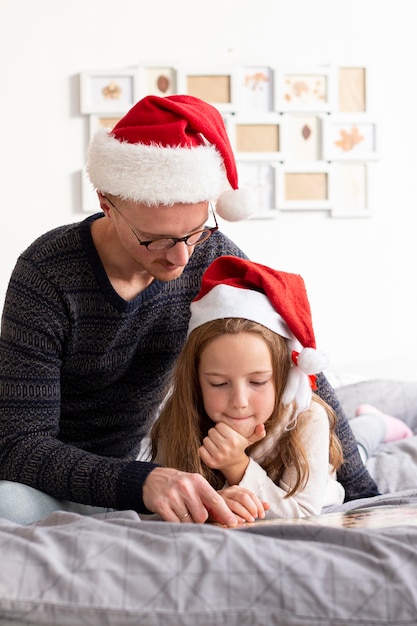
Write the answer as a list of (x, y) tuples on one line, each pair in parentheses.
[(321, 489)]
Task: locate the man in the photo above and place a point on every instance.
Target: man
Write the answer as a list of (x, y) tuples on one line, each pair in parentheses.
[(97, 312)]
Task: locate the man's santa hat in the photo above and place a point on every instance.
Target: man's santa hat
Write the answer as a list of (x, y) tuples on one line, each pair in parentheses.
[(233, 287), (169, 150)]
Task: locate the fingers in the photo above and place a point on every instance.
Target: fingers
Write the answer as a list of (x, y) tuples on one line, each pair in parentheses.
[(222, 446), (241, 511), (244, 503), (219, 511), (182, 497), (183, 518), (172, 494), (258, 434), (213, 451), (210, 459), (222, 436)]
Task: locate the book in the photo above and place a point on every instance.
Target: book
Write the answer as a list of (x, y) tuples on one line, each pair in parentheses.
[(368, 517)]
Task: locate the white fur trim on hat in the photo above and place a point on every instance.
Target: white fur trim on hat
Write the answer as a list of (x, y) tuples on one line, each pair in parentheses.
[(154, 174), (312, 361), (236, 204), (297, 389), (224, 301)]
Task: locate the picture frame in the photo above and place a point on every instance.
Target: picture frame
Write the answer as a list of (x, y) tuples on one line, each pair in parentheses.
[(261, 178), (89, 200), (157, 80), (255, 137), (105, 91), (255, 89), (304, 186), (353, 89), (102, 120), (350, 189), (305, 89), (350, 137), (301, 137), (215, 85)]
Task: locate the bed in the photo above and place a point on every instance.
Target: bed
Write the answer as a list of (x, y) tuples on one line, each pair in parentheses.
[(118, 570)]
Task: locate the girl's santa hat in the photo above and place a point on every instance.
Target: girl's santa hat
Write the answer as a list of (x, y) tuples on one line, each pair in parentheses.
[(234, 287), (169, 150)]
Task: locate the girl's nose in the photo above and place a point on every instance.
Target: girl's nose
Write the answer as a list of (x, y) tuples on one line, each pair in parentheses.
[(239, 397)]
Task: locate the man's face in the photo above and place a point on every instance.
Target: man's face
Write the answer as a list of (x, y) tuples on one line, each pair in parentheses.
[(135, 221)]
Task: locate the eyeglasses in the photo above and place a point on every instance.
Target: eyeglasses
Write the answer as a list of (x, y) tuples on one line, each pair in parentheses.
[(165, 243)]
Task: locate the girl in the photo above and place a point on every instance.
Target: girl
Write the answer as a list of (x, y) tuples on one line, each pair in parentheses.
[(240, 410)]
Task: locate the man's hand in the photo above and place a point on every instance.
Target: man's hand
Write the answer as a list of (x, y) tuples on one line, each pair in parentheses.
[(185, 497), (224, 449)]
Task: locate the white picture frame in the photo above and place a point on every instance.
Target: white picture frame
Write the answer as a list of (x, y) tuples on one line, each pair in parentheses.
[(89, 199), (214, 85), (301, 137), (105, 91), (354, 89), (350, 138), (305, 187), (255, 137), (157, 80), (261, 178), (350, 189), (255, 89), (102, 120), (307, 89)]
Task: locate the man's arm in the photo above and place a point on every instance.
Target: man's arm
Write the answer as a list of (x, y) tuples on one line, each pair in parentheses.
[(353, 475)]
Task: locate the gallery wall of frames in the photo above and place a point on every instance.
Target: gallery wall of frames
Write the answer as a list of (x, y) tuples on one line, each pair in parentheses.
[(304, 138)]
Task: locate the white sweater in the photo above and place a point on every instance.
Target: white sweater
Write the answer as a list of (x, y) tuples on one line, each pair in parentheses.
[(322, 488)]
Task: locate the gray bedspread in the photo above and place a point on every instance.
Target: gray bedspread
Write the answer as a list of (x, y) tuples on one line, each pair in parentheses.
[(116, 570), (394, 466)]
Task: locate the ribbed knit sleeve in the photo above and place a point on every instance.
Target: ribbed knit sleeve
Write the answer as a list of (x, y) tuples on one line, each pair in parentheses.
[(353, 475)]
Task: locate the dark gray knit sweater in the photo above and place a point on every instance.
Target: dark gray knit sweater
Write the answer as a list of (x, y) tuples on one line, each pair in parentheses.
[(82, 371)]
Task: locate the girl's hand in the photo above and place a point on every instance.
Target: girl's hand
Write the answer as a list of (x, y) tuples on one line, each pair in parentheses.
[(244, 503), (224, 449)]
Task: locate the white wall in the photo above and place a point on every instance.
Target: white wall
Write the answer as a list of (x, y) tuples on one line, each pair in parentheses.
[(359, 272)]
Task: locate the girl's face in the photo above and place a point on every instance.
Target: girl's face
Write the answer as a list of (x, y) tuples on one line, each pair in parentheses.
[(237, 381)]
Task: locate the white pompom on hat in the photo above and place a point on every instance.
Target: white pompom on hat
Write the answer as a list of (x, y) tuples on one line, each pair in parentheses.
[(169, 150), (234, 287)]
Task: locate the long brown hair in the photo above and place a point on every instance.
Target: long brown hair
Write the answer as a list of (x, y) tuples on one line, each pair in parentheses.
[(183, 422)]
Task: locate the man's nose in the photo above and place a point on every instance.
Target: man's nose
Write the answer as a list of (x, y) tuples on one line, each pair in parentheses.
[(179, 254)]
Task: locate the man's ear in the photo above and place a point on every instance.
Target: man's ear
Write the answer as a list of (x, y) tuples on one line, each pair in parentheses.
[(104, 205)]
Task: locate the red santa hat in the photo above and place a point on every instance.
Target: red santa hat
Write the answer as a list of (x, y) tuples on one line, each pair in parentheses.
[(233, 287), (169, 150)]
